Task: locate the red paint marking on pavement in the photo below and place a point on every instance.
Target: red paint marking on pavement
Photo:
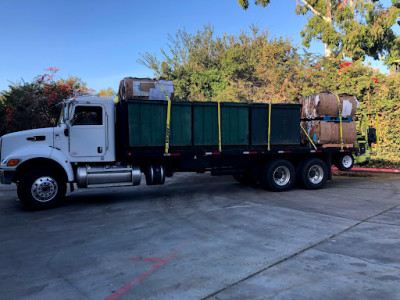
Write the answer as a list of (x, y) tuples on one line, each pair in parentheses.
[(134, 282), (372, 170), (146, 274)]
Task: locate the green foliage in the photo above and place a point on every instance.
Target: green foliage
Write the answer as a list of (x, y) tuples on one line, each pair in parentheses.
[(251, 67), (108, 93), (248, 67), (352, 29), (245, 3)]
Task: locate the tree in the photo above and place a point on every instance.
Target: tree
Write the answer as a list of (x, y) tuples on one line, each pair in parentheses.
[(348, 28), (30, 105), (252, 67), (109, 93), (249, 67)]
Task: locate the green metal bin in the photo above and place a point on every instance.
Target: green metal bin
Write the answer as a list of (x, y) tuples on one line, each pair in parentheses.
[(234, 124), (285, 124), (147, 122)]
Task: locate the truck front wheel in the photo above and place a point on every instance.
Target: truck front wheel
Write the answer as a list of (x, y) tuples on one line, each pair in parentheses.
[(41, 188), (277, 175)]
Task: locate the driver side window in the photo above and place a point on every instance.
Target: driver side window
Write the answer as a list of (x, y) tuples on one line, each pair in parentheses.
[(88, 115)]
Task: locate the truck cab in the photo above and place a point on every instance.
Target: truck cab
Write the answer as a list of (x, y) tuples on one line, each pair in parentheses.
[(41, 161)]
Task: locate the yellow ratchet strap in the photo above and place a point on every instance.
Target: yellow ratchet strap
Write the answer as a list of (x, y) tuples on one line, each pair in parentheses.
[(312, 143), (219, 127), (167, 127), (340, 122), (269, 126)]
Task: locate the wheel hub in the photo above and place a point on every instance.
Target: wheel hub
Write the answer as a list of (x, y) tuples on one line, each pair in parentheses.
[(315, 174), (281, 176), (347, 161), (44, 189)]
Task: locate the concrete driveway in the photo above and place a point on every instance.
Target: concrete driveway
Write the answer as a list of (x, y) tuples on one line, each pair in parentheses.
[(203, 237)]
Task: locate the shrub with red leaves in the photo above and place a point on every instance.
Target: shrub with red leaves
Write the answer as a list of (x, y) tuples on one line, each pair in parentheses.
[(33, 105)]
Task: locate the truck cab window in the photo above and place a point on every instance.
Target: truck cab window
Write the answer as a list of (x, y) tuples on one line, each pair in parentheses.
[(88, 115)]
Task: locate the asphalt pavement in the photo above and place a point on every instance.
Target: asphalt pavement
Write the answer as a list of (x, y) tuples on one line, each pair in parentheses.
[(204, 237)]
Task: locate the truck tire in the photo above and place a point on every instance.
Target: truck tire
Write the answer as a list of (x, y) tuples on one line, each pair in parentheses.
[(41, 188), (313, 173), (344, 162), (277, 175)]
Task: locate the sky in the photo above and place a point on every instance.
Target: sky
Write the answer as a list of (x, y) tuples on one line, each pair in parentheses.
[(100, 41)]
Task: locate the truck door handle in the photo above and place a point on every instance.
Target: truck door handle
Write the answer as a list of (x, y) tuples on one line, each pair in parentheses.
[(99, 149)]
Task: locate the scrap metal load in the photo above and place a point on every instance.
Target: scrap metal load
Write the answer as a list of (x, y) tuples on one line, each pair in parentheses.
[(328, 120)]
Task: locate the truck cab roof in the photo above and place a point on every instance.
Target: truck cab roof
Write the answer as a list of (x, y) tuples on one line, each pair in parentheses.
[(91, 99)]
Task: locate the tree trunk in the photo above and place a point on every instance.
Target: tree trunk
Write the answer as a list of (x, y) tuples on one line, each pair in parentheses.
[(328, 51)]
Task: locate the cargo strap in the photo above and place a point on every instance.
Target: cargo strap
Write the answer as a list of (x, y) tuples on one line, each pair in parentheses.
[(269, 126), (340, 122), (312, 143), (167, 126), (219, 128)]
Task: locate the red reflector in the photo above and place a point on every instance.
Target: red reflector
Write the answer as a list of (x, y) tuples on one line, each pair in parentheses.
[(215, 153), (347, 150), (175, 154), (318, 151)]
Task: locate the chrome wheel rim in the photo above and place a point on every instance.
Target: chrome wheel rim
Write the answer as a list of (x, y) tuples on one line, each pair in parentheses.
[(315, 174), (44, 189), (281, 176), (347, 161)]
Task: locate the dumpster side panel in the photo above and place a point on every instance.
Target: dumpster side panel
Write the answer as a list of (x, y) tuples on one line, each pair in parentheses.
[(205, 124), (285, 124), (235, 124), (146, 121), (181, 124)]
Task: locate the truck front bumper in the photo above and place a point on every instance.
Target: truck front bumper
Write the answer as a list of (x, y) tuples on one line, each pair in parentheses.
[(6, 176)]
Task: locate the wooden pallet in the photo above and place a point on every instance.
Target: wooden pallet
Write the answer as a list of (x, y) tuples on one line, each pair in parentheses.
[(336, 145)]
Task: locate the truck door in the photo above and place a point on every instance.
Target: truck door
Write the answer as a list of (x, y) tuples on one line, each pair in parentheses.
[(87, 137)]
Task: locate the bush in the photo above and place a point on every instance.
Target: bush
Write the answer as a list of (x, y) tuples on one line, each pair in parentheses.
[(34, 104)]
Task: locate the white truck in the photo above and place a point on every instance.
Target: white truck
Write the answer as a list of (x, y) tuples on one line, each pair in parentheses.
[(97, 143)]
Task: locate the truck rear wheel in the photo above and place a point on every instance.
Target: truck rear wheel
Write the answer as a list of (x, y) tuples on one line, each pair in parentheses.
[(313, 173), (41, 188), (344, 162), (277, 175)]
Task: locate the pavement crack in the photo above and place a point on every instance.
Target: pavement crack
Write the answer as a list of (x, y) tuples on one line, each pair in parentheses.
[(382, 223), (69, 282), (276, 292), (300, 252)]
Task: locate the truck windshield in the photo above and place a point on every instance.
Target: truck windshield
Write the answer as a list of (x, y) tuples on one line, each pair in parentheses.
[(61, 119)]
